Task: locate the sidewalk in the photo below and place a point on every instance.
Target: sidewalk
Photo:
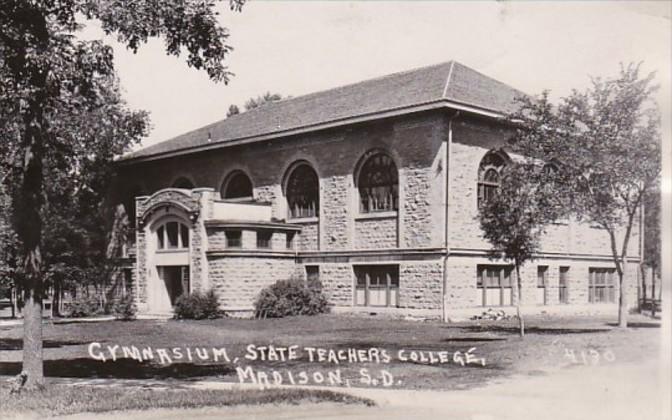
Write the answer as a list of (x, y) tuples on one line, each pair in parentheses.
[(614, 392)]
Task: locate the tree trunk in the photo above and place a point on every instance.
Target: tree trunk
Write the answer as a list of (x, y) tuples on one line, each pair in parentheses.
[(28, 224), (56, 298), (521, 322), (653, 294), (641, 290), (622, 303), (12, 301), (32, 336)]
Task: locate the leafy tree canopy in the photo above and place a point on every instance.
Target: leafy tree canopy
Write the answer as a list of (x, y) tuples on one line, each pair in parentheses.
[(262, 100), (62, 118), (514, 220), (606, 143)]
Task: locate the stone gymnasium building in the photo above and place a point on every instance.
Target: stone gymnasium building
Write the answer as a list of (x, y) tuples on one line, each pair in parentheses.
[(372, 189)]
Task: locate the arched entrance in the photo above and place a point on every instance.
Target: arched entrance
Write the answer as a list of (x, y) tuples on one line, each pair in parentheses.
[(164, 249), (169, 268), (170, 262)]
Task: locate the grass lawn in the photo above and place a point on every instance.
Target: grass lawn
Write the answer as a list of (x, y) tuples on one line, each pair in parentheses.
[(61, 399), (551, 342)]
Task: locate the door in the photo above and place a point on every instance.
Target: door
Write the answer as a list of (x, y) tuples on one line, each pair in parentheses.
[(175, 279)]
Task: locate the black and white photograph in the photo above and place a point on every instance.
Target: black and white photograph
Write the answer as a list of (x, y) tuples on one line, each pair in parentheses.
[(298, 209)]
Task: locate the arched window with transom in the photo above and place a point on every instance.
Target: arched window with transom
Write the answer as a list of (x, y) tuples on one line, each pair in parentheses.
[(172, 235), (378, 184), (302, 191), (183, 182), (237, 186), (489, 176)]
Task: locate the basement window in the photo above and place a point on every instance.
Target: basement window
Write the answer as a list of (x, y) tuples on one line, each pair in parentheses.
[(601, 285), (377, 285), (494, 285)]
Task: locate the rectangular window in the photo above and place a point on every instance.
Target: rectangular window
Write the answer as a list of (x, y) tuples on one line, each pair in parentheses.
[(233, 239), (601, 286), (377, 285), (313, 276), (289, 240), (563, 296), (542, 281), (264, 239), (494, 285)]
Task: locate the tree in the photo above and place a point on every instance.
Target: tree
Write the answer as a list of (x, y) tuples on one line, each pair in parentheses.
[(233, 110), (514, 219), (608, 144), (262, 100), (48, 76), (652, 253)]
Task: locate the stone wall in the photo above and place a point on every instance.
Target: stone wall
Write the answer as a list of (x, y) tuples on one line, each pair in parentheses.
[(376, 233), (141, 298), (415, 143), (421, 285), (238, 280), (308, 239), (471, 141), (463, 293), (337, 283), (337, 237)]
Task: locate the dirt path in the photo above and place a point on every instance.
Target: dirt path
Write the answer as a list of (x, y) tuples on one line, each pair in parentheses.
[(613, 392)]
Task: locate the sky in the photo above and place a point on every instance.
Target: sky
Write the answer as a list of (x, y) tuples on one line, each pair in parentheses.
[(299, 47)]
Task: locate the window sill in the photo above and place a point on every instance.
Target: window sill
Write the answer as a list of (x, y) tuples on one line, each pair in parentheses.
[(304, 220), (377, 215), (172, 250)]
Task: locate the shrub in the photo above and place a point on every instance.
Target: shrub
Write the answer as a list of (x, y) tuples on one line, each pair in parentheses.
[(288, 298), (83, 306), (124, 309), (197, 305)]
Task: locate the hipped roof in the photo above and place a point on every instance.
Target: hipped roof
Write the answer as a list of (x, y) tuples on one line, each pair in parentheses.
[(450, 84)]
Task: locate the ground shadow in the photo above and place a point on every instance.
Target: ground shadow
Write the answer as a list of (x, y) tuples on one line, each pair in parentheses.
[(17, 344), (531, 330), (121, 369), (472, 339), (638, 324)]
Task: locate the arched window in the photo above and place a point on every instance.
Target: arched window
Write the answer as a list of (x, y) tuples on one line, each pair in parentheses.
[(237, 186), (303, 192), (378, 184), (489, 174), (172, 235), (183, 182)]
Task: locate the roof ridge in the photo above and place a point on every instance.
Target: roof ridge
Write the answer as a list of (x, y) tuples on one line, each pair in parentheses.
[(450, 73), (497, 81)]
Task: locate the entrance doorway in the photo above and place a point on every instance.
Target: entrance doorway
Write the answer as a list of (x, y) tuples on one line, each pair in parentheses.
[(176, 280)]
